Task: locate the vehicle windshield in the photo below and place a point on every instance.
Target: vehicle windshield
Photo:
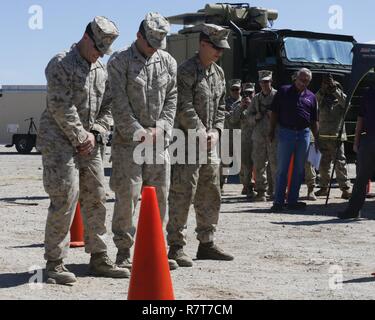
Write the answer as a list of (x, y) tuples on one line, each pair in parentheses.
[(318, 51)]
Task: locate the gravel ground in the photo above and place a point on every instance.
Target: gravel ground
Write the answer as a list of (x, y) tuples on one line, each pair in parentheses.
[(295, 255)]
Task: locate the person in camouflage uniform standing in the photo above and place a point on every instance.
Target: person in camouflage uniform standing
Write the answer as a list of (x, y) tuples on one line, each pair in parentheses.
[(263, 152), (201, 108), (143, 80), (310, 175), (231, 121), (240, 114), (77, 116), (331, 100)]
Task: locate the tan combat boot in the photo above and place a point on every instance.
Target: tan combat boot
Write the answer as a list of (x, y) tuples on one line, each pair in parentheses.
[(57, 273), (102, 266), (123, 260), (346, 194), (322, 192), (310, 194), (176, 253), (210, 251)]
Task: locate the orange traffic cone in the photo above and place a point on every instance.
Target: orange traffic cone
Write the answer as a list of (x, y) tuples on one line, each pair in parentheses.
[(290, 173), (150, 276), (76, 230)]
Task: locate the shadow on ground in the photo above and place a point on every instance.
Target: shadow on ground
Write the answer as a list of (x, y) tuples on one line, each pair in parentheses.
[(312, 209), (12, 280), (17, 200), (30, 246), (360, 280), (10, 153)]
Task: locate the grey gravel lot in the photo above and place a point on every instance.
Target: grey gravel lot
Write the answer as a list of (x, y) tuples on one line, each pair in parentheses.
[(294, 255)]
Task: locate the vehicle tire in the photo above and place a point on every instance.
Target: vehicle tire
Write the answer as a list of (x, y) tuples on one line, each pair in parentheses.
[(24, 145)]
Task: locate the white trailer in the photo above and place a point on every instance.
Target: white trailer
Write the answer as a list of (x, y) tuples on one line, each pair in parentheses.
[(19, 104)]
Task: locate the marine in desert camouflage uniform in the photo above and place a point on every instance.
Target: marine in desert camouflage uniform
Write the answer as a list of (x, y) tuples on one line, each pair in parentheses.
[(200, 107), (240, 113), (310, 175), (143, 80), (264, 152), (331, 99), (231, 122), (78, 113)]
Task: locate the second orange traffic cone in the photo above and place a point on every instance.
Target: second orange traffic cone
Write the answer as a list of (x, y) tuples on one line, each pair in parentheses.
[(290, 173), (150, 276), (76, 230)]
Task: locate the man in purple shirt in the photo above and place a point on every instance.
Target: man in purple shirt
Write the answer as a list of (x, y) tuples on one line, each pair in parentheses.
[(294, 112), (364, 146)]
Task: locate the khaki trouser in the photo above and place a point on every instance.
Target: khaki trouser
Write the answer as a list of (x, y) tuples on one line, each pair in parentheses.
[(68, 179), (197, 184), (126, 181)]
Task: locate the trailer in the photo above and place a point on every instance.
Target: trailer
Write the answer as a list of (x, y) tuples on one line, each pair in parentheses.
[(20, 111)]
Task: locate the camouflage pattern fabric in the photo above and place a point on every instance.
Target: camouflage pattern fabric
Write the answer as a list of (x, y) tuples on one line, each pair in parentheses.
[(104, 33), (201, 105), (331, 111), (156, 29), (263, 151), (310, 175), (328, 149), (216, 34), (78, 100), (197, 185), (231, 122), (144, 95), (74, 179)]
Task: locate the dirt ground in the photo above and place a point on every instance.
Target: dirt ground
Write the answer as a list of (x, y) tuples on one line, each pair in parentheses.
[(293, 255)]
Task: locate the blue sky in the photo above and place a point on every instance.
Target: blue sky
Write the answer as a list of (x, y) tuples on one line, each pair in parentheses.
[(25, 52)]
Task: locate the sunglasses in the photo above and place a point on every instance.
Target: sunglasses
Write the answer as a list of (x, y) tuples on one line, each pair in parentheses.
[(235, 89)]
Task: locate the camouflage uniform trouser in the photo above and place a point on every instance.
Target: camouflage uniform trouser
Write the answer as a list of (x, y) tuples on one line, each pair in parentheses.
[(126, 181), (197, 184), (246, 158), (67, 179), (328, 150), (264, 154), (310, 175)]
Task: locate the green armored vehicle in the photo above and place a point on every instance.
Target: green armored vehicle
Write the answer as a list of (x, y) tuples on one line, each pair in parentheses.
[(256, 46)]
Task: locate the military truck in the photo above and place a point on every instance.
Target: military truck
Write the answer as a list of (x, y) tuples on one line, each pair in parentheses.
[(256, 46)]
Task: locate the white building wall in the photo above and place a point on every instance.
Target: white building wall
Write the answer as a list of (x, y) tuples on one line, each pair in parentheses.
[(18, 103)]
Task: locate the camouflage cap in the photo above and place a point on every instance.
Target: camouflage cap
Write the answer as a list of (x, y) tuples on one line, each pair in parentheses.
[(217, 35), (156, 29), (327, 77), (265, 75), (235, 83), (104, 33), (249, 86)]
